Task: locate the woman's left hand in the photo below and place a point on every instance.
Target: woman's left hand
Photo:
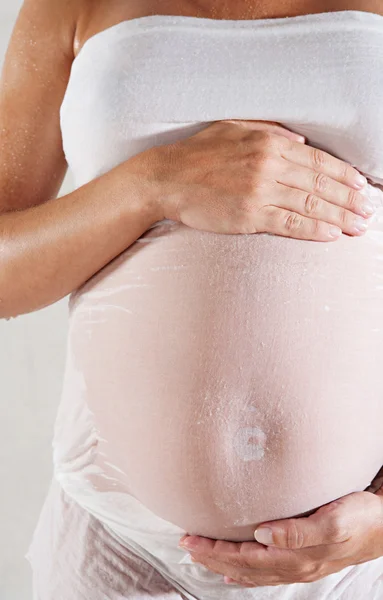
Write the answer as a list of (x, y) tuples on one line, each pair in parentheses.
[(345, 532)]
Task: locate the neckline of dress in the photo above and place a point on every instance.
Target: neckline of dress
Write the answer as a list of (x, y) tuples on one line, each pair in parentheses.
[(151, 20)]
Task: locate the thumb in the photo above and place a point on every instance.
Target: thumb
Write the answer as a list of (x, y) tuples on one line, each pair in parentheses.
[(330, 524), (271, 126)]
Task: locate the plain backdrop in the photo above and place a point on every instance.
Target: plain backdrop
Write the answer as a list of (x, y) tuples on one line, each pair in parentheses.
[(32, 354)]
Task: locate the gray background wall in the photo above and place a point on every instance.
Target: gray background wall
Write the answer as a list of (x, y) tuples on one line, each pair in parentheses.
[(32, 351)]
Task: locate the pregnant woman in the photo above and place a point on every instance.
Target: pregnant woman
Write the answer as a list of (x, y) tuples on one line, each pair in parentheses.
[(224, 262)]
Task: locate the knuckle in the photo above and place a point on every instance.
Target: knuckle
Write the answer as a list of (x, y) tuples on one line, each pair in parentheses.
[(338, 529), (262, 162), (293, 222), (318, 158), (343, 217), (243, 561), (347, 172), (294, 538), (219, 546), (285, 143), (313, 574), (252, 163), (267, 141), (309, 571), (311, 204), (353, 199), (296, 574), (320, 182), (266, 138)]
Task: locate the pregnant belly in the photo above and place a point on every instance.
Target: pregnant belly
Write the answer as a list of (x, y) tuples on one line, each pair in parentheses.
[(230, 379)]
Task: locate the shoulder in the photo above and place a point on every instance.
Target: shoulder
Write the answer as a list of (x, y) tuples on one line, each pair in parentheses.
[(52, 22)]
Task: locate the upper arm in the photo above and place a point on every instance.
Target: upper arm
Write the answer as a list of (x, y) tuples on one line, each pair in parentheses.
[(33, 81)]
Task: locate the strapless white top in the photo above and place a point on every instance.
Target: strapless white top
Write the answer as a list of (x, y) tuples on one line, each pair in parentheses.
[(156, 79)]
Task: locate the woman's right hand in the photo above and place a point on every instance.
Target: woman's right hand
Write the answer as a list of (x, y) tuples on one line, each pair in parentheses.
[(241, 177)]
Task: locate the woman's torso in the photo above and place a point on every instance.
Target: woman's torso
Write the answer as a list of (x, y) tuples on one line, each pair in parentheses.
[(224, 380)]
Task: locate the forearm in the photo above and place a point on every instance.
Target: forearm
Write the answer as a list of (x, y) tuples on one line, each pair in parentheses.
[(49, 250)]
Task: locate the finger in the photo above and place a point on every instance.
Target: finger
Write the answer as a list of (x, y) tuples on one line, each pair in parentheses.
[(297, 533), (241, 556), (325, 187), (322, 162), (225, 552), (277, 129), (229, 581), (271, 126), (331, 524), (207, 546), (309, 205), (243, 577), (286, 223), (274, 568)]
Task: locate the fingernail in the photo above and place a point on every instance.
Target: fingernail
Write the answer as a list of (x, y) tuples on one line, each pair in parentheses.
[(334, 232), (368, 208), (264, 536), (360, 180), (188, 544), (360, 225)]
